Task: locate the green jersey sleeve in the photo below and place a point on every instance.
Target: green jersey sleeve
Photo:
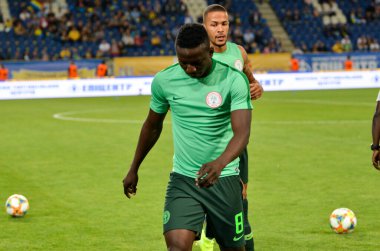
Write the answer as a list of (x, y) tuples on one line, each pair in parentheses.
[(158, 101), (240, 95)]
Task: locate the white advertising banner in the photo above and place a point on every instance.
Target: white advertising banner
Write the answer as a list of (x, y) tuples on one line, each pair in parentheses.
[(319, 80), (133, 86), (75, 88)]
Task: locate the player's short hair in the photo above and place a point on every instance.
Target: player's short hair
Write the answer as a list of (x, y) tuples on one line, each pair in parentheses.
[(191, 36), (213, 8)]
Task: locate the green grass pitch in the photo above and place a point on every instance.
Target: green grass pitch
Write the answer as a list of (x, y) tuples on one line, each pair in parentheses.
[(309, 154)]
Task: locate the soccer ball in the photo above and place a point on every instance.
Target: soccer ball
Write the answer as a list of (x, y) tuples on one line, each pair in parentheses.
[(342, 220), (17, 205)]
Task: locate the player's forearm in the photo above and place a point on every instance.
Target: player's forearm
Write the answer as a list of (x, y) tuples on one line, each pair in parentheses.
[(250, 76), (241, 126), (234, 148), (376, 126), (147, 139)]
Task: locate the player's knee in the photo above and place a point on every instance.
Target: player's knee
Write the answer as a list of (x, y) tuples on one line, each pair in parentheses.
[(179, 240), (176, 245)]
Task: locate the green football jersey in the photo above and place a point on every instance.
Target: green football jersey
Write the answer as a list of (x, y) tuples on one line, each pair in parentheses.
[(232, 56), (201, 113)]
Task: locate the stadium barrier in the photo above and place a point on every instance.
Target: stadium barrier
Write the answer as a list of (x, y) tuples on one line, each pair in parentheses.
[(335, 62), (39, 70), (133, 86), (145, 66)]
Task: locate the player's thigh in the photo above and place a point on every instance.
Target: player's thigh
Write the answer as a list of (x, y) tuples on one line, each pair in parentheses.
[(182, 209), (225, 221)]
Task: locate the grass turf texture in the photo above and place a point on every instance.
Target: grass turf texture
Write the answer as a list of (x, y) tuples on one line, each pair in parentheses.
[(309, 154)]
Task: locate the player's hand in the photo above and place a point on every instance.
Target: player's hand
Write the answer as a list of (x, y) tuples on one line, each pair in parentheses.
[(256, 90), (376, 160), (208, 174), (130, 184)]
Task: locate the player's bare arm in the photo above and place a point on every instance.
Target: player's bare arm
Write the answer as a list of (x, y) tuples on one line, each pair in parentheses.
[(150, 132), (241, 126), (376, 137), (256, 89)]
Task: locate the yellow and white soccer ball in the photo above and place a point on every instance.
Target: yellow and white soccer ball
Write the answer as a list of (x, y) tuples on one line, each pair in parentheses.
[(343, 220), (17, 205)]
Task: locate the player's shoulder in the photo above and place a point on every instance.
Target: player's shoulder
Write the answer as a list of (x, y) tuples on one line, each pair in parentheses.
[(229, 72), (232, 44), (221, 66), (168, 72)]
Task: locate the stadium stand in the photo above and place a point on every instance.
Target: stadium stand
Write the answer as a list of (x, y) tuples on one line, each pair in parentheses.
[(81, 29), (328, 25), (75, 29)]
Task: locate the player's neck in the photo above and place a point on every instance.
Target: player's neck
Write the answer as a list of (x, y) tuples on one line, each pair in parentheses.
[(220, 49)]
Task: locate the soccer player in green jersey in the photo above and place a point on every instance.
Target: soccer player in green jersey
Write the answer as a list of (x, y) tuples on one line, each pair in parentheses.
[(211, 120), (215, 20)]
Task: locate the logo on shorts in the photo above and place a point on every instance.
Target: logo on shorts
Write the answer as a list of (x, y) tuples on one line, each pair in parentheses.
[(166, 217), (236, 238), (238, 65), (214, 99)]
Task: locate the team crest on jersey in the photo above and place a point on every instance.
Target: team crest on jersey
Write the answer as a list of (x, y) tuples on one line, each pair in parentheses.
[(214, 99), (238, 65)]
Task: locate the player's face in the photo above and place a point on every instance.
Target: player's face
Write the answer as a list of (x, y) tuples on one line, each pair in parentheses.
[(216, 24), (196, 62)]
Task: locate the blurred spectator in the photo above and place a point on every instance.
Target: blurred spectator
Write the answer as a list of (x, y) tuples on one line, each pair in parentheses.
[(356, 17), (362, 43), (188, 18), (144, 33), (87, 34), (75, 54), (168, 36), (374, 45), (294, 64), (155, 40), (127, 38), (35, 55), (74, 34), (19, 29), (65, 53), (105, 48), (88, 54), (348, 64), (115, 48), (3, 73), (101, 70), (319, 46), (346, 44), (16, 55), (237, 35), (45, 56), (304, 47), (72, 70), (26, 55), (249, 36), (255, 18), (337, 47)]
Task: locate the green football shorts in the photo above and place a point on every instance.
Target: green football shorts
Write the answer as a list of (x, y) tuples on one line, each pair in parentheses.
[(187, 205)]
